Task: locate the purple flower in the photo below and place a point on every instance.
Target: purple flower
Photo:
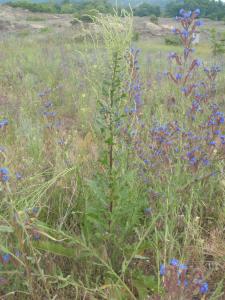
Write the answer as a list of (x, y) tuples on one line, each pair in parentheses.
[(204, 288), (217, 132), (205, 162), (138, 100), (18, 176), (172, 55), (49, 113), (197, 62), (199, 23), (178, 76), (36, 235)]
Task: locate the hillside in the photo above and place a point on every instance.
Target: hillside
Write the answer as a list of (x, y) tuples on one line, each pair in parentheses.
[(120, 2)]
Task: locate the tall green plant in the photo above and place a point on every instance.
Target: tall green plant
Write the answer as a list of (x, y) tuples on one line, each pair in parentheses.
[(117, 40)]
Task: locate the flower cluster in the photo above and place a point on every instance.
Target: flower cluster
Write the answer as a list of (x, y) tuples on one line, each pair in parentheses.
[(185, 77), (134, 86), (180, 280), (4, 175), (4, 123)]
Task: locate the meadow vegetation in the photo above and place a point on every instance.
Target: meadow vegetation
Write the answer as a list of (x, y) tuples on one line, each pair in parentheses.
[(112, 165)]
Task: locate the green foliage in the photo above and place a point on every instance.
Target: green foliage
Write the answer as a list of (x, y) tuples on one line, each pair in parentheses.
[(35, 19), (217, 41), (79, 9), (172, 40), (37, 7), (146, 9), (136, 36), (154, 19)]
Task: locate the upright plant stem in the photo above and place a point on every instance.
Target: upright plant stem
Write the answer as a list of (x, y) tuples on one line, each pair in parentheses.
[(111, 129)]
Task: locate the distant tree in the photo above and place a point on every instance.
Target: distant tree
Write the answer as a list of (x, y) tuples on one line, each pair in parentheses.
[(154, 19), (146, 9), (217, 42)]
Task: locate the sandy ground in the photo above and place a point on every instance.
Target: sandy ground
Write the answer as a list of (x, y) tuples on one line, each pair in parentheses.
[(17, 20)]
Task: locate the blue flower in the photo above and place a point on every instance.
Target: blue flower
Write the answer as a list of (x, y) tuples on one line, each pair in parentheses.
[(49, 113), (185, 283), (146, 161), (35, 210), (185, 33), (197, 11), (204, 288), (2, 149), (48, 104), (126, 110), (205, 162), (148, 211), (193, 161), (4, 123), (61, 142), (222, 120), (36, 235), (182, 11), (4, 172), (6, 258), (187, 14), (174, 262), (162, 270), (212, 143), (183, 267)]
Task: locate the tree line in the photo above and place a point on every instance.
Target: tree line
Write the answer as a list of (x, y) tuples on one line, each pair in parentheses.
[(209, 8)]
